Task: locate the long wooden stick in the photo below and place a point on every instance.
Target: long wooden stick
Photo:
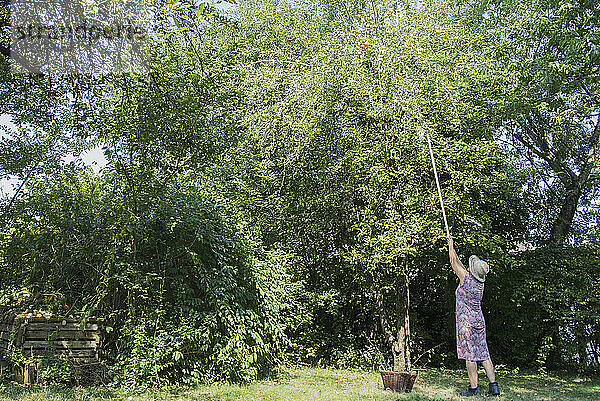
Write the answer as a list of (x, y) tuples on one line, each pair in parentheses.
[(437, 181)]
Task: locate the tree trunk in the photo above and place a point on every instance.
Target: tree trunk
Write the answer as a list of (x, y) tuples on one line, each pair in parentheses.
[(388, 335), (401, 348), (562, 225), (399, 342)]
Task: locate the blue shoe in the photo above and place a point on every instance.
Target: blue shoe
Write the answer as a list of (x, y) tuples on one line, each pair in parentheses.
[(471, 391), (494, 389)]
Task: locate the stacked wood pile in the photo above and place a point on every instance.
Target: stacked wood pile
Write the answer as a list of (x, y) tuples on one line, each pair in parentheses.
[(47, 336)]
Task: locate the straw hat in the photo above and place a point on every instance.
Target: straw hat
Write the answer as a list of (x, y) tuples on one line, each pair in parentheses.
[(478, 268)]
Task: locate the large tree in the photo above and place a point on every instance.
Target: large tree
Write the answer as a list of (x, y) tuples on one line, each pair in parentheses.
[(331, 169), (548, 53)]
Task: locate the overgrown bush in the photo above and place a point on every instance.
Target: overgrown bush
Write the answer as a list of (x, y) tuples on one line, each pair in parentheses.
[(179, 287)]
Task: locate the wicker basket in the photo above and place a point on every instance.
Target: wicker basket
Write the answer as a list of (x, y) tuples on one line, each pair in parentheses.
[(398, 381)]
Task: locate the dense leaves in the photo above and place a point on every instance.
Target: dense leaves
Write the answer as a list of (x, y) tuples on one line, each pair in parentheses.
[(177, 284), (268, 191), (544, 308)]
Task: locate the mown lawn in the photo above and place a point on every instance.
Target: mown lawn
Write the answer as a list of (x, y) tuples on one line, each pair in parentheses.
[(326, 384)]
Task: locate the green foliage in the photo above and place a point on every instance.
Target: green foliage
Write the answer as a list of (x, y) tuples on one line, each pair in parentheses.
[(267, 181), (54, 371), (177, 284), (547, 56), (543, 353), (369, 358), (331, 168), (544, 307)]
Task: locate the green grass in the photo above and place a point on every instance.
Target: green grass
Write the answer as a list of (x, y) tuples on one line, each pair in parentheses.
[(325, 384)]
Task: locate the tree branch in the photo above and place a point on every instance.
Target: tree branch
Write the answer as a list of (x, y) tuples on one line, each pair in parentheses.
[(588, 165), (533, 164), (14, 197), (542, 149)]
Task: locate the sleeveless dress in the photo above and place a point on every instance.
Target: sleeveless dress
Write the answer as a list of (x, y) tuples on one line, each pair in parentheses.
[(471, 341)]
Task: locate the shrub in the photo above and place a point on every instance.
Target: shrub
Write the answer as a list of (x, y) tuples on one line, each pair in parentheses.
[(179, 287)]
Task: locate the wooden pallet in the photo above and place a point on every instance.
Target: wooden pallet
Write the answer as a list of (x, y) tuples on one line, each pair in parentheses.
[(37, 338)]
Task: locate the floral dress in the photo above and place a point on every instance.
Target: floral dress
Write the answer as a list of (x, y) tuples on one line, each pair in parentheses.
[(471, 341)]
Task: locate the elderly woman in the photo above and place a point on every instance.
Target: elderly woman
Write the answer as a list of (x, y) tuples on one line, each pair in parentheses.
[(471, 341)]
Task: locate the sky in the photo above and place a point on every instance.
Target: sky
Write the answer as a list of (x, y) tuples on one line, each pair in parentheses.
[(94, 158), (6, 185)]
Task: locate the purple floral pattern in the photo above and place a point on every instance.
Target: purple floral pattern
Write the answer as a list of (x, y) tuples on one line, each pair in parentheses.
[(471, 341)]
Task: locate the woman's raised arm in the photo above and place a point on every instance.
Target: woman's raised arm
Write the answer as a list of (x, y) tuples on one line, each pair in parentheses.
[(457, 265)]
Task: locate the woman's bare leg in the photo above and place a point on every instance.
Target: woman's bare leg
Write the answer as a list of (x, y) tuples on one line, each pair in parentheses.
[(472, 371), (488, 366)]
